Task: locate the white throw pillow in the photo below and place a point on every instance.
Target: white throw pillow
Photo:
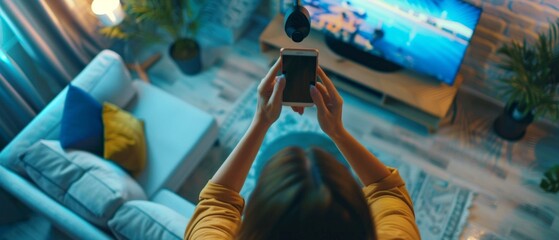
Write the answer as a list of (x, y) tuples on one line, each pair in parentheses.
[(107, 79), (92, 187), (146, 220)]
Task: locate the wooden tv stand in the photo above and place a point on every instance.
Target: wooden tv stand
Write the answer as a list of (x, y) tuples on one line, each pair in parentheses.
[(420, 98)]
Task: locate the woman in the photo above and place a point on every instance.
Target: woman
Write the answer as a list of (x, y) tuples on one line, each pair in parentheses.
[(304, 194)]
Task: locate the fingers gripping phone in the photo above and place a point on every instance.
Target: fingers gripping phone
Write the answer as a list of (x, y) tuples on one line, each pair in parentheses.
[(299, 69)]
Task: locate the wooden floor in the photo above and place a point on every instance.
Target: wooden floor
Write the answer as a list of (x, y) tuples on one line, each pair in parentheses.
[(508, 203)]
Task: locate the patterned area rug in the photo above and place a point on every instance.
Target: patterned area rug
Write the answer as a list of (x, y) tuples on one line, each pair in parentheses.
[(441, 207)]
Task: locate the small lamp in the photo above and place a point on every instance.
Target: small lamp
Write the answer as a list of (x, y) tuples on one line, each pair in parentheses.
[(109, 12)]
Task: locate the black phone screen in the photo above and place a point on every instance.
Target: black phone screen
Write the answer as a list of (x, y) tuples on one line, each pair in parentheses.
[(300, 73)]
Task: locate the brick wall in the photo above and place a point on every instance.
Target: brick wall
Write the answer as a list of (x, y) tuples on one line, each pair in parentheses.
[(502, 21)]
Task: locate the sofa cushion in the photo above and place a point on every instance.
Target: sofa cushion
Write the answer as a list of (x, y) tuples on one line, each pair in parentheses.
[(81, 124), (146, 220), (177, 137), (88, 185), (125, 143), (175, 202)]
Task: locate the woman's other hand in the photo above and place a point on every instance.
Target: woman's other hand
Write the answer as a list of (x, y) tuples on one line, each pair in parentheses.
[(270, 91), (329, 105)]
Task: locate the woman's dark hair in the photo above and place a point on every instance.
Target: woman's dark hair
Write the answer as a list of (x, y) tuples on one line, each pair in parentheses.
[(306, 195)]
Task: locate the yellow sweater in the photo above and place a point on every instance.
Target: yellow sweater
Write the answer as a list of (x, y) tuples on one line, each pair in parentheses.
[(218, 214)]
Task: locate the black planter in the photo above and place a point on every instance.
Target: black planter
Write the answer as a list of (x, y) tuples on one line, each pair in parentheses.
[(509, 128), (189, 62)]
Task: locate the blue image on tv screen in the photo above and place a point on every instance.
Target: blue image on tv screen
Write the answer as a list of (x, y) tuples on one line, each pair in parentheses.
[(428, 36)]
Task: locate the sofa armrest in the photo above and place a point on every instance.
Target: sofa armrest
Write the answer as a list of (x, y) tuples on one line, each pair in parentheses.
[(107, 79), (66, 220), (175, 202)]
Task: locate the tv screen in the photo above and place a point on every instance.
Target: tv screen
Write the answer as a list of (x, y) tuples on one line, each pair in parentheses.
[(427, 36)]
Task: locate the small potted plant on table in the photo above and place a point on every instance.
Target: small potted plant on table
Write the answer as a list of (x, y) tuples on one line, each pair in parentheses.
[(530, 83), (180, 19)]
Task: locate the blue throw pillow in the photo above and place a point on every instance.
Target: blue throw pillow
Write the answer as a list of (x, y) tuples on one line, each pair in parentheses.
[(82, 124)]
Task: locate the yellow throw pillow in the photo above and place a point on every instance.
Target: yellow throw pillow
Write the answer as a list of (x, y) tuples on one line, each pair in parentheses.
[(125, 143)]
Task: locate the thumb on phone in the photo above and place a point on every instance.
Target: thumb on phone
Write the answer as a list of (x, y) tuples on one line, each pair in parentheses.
[(278, 90)]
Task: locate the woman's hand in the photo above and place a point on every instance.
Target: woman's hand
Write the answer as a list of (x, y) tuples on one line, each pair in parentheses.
[(270, 91), (329, 105)]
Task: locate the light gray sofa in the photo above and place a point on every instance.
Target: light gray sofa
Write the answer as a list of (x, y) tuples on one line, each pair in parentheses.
[(177, 135)]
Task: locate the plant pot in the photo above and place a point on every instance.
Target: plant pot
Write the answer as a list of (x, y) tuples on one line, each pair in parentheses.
[(186, 54), (509, 128)]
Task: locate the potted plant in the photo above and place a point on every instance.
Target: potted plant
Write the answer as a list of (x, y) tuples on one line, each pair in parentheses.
[(180, 19), (550, 182), (530, 83)]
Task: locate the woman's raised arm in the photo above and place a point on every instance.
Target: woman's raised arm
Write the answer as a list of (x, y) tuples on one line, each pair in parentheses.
[(329, 108), (234, 170)]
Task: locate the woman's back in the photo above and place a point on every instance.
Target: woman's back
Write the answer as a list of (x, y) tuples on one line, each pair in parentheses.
[(300, 197)]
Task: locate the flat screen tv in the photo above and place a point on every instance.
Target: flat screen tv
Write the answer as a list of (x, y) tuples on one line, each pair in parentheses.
[(426, 36)]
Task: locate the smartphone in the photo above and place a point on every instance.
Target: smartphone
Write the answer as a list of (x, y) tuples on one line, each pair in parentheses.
[(299, 69)]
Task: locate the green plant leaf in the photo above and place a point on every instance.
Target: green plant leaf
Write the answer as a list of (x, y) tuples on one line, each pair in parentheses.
[(531, 73), (145, 17), (550, 182), (113, 32)]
